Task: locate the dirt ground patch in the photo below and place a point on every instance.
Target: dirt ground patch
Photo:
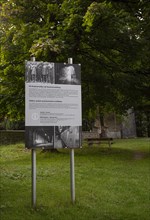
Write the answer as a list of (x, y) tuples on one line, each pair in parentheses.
[(139, 155)]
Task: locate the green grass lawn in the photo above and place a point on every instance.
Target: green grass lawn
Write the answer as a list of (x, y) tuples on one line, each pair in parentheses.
[(110, 183)]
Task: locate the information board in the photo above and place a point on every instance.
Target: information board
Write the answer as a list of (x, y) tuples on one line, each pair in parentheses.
[(53, 117)]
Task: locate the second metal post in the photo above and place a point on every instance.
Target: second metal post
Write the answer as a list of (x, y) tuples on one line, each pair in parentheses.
[(33, 178), (72, 173)]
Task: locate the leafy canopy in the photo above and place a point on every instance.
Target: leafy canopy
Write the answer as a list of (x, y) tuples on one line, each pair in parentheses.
[(111, 39)]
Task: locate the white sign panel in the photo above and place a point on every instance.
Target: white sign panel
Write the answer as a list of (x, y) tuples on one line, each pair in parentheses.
[(53, 105)]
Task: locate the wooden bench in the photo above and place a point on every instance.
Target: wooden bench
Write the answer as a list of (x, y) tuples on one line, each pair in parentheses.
[(92, 141)]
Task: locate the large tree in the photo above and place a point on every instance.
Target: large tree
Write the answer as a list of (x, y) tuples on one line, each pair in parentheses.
[(109, 38)]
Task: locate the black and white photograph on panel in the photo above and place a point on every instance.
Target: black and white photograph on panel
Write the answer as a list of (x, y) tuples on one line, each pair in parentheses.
[(40, 137), (39, 72), (67, 74), (67, 137), (47, 75)]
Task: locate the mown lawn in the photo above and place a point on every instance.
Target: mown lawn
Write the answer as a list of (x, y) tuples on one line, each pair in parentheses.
[(110, 183)]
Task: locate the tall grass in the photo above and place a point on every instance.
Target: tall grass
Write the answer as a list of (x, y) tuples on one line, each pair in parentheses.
[(110, 183)]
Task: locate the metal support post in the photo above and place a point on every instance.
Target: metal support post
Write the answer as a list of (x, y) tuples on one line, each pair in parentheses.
[(33, 178), (33, 158), (72, 173)]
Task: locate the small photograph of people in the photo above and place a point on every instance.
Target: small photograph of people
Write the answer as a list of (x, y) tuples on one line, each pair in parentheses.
[(67, 137), (40, 137), (39, 72), (68, 74), (47, 75)]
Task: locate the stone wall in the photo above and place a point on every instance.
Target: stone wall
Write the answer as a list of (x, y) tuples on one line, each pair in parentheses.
[(11, 137), (16, 136), (120, 126), (129, 125), (113, 129)]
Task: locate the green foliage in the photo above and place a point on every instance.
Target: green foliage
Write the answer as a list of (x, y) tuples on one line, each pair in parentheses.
[(109, 38), (12, 124)]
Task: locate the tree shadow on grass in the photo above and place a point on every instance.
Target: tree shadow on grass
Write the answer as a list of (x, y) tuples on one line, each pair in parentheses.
[(116, 153), (96, 151)]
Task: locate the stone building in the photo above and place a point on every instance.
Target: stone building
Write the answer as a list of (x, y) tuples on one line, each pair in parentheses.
[(116, 126)]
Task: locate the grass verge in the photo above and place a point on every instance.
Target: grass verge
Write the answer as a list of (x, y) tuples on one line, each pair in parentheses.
[(110, 183)]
